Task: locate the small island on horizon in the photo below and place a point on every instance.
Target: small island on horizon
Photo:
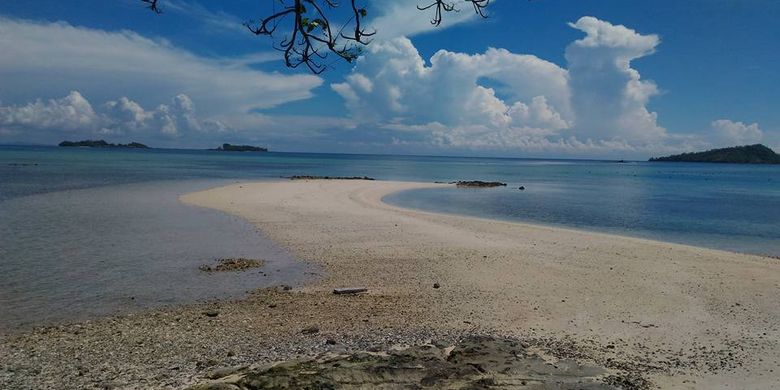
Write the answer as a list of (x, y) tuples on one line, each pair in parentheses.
[(102, 144), (747, 154), (240, 148)]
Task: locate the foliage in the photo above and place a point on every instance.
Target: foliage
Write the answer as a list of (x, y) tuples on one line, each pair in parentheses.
[(748, 154)]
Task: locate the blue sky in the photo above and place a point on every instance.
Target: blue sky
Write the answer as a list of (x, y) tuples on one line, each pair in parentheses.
[(542, 78)]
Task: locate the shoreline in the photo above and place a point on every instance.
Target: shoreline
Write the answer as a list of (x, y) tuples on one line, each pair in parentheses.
[(501, 278)]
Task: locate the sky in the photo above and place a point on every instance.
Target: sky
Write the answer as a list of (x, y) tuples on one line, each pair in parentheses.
[(538, 78)]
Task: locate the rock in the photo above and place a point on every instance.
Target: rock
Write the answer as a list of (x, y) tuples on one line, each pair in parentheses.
[(474, 363), (349, 290), (309, 177), (286, 288), (436, 285), (521, 188), (310, 330), (232, 264), (214, 386), (330, 342), (479, 184), (222, 372), (211, 313)]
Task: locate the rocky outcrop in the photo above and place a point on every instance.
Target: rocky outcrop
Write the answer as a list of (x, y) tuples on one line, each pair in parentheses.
[(479, 184), (475, 363), (308, 177), (232, 264)]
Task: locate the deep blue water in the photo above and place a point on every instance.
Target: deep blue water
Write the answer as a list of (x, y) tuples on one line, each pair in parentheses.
[(83, 230)]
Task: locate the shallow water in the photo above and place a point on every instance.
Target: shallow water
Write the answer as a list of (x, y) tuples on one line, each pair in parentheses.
[(84, 231), (78, 254)]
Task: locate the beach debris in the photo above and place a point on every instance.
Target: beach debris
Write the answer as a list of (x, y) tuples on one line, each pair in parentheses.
[(349, 290), (232, 264), (479, 184), (310, 330), (309, 177)]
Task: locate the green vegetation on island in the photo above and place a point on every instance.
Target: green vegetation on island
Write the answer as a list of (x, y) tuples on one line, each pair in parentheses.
[(102, 144), (748, 154), (240, 148)]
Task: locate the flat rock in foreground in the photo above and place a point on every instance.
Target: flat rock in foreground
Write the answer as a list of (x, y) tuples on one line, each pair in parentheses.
[(475, 363)]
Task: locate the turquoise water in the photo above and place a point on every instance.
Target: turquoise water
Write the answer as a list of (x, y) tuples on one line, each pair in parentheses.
[(86, 232)]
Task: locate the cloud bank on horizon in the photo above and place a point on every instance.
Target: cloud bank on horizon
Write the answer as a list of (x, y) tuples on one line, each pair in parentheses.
[(96, 83)]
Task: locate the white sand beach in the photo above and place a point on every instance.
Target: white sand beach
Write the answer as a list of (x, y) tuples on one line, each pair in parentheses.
[(683, 317), (511, 278)]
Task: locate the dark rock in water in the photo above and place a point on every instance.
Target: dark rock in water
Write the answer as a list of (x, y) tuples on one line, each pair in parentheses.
[(307, 177), (232, 264), (479, 184), (521, 188), (475, 363)]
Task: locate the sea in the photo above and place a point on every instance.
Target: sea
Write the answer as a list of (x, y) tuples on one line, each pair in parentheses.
[(89, 232)]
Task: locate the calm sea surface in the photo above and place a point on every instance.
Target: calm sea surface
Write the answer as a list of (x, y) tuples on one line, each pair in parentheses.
[(86, 232)]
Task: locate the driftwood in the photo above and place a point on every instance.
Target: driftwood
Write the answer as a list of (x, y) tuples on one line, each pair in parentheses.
[(349, 290)]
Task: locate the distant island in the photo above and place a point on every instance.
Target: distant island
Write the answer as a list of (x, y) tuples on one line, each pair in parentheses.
[(748, 154), (102, 144), (240, 148)]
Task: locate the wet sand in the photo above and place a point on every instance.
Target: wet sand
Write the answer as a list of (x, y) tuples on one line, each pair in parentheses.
[(679, 316)]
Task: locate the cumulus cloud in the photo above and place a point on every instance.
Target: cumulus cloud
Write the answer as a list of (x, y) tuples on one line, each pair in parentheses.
[(74, 115), (392, 84), (609, 97), (730, 133), (51, 59), (71, 112), (597, 102)]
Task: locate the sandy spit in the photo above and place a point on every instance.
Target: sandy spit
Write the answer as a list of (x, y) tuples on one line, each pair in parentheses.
[(688, 318)]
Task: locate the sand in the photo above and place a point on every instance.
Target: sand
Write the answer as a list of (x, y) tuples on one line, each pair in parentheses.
[(685, 317)]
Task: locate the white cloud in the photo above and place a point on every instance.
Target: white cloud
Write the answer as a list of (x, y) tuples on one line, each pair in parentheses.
[(74, 115), (598, 102), (50, 59), (730, 133), (608, 96), (71, 112), (393, 84)]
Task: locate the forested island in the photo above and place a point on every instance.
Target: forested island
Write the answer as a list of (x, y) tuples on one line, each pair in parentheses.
[(102, 144), (748, 154), (240, 148)]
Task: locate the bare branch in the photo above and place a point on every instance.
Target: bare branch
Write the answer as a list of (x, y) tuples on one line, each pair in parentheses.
[(310, 36), (153, 6)]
